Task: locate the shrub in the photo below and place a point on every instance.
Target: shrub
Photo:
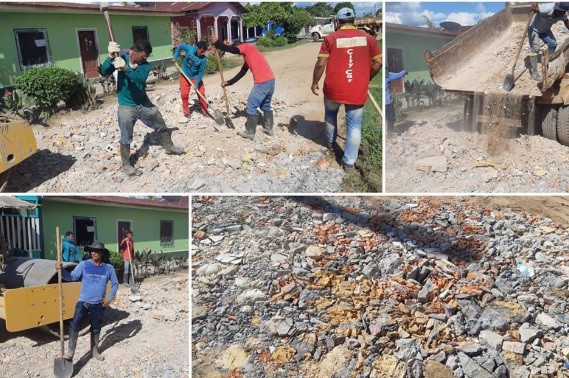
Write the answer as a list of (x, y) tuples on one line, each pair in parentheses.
[(116, 261), (265, 41), (211, 64), (47, 86), (280, 41)]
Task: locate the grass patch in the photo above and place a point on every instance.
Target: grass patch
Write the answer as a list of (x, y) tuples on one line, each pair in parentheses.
[(264, 49)]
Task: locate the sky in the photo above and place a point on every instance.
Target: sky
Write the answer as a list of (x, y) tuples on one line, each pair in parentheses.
[(465, 14)]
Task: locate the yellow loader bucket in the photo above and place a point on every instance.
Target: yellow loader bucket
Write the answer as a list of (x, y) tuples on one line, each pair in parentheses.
[(17, 142)]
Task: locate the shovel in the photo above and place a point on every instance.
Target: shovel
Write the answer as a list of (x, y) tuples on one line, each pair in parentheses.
[(228, 122), (216, 114), (133, 288), (509, 80), (62, 368)]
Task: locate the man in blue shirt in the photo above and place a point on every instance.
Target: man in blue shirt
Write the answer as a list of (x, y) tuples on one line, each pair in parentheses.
[(390, 114), (69, 248), (134, 103), (546, 15), (194, 67), (94, 275)]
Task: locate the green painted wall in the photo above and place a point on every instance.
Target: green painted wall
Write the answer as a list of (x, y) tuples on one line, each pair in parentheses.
[(414, 47), (62, 37), (145, 225)]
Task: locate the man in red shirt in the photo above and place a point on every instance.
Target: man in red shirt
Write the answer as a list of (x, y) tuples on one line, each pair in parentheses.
[(263, 89), (127, 247), (351, 59)]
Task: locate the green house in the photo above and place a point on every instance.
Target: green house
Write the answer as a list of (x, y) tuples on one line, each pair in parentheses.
[(158, 224), (405, 47), (74, 35)]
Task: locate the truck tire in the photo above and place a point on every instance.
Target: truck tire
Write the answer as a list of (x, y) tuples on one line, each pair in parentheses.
[(563, 125), (315, 37), (548, 117)]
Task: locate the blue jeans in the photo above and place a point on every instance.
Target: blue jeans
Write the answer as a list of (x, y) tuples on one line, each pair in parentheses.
[(547, 37), (354, 115), (260, 97), (126, 266), (95, 312), (146, 113)]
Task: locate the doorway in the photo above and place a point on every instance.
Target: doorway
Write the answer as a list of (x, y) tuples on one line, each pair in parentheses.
[(395, 64), (85, 230), (123, 226), (89, 53)]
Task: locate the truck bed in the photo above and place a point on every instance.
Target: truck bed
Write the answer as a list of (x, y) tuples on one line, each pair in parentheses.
[(480, 59)]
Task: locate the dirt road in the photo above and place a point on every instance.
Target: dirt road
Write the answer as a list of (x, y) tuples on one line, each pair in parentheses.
[(79, 151), (147, 338)]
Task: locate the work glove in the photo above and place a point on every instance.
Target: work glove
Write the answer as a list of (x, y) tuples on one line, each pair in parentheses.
[(119, 63), (113, 48)]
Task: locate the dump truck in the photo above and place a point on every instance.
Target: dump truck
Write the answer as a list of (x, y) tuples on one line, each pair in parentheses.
[(476, 62), (371, 25), (29, 296), (17, 143)]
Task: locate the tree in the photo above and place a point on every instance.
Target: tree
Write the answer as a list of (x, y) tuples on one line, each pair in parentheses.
[(430, 24), (320, 10), (346, 4), (285, 14), (378, 13)]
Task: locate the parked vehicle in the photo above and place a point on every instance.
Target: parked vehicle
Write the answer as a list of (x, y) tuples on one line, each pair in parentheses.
[(371, 25)]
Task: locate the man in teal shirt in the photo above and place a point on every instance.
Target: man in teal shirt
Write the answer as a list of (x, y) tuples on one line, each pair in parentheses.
[(194, 67), (69, 248), (134, 104)]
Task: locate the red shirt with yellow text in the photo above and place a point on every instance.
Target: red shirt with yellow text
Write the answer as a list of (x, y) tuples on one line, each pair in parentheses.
[(350, 53)]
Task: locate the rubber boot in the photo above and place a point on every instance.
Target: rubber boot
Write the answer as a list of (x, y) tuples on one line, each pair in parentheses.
[(268, 127), (250, 127), (125, 159), (165, 139), (125, 279), (533, 68), (95, 347), (71, 345)]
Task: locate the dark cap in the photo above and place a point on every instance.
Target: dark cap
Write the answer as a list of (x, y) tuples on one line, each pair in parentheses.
[(564, 7), (97, 246)]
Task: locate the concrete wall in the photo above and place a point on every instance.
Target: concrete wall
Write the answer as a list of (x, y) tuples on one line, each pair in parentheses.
[(145, 225), (62, 37)]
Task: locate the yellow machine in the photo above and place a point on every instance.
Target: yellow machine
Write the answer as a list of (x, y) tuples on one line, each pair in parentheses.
[(29, 297), (17, 143)]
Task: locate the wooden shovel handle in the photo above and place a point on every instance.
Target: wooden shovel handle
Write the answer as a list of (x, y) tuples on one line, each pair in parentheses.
[(60, 289), (375, 103), (222, 80)]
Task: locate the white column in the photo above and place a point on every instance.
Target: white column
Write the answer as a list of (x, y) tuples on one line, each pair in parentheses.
[(215, 26), (240, 29), (228, 26), (199, 29)]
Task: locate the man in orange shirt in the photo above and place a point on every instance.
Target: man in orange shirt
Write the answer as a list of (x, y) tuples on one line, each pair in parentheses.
[(127, 247), (262, 92), (351, 59)]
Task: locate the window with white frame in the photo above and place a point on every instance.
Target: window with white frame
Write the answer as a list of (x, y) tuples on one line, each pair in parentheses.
[(33, 48)]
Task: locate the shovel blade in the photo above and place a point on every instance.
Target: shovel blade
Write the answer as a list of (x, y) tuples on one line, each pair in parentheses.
[(508, 83), (217, 117), (134, 290), (62, 368), (229, 123)]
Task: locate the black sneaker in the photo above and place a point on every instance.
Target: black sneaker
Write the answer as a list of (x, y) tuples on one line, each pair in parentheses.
[(188, 116), (349, 168)]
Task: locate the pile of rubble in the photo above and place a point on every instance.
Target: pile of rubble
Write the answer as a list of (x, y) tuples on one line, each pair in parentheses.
[(81, 153), (363, 287)]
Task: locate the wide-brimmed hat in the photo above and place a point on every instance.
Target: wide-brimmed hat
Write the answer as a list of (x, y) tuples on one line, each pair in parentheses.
[(347, 13), (97, 246), (564, 7)]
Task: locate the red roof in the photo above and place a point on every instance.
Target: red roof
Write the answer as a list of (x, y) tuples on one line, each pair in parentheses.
[(165, 202), (88, 8), (184, 6)]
